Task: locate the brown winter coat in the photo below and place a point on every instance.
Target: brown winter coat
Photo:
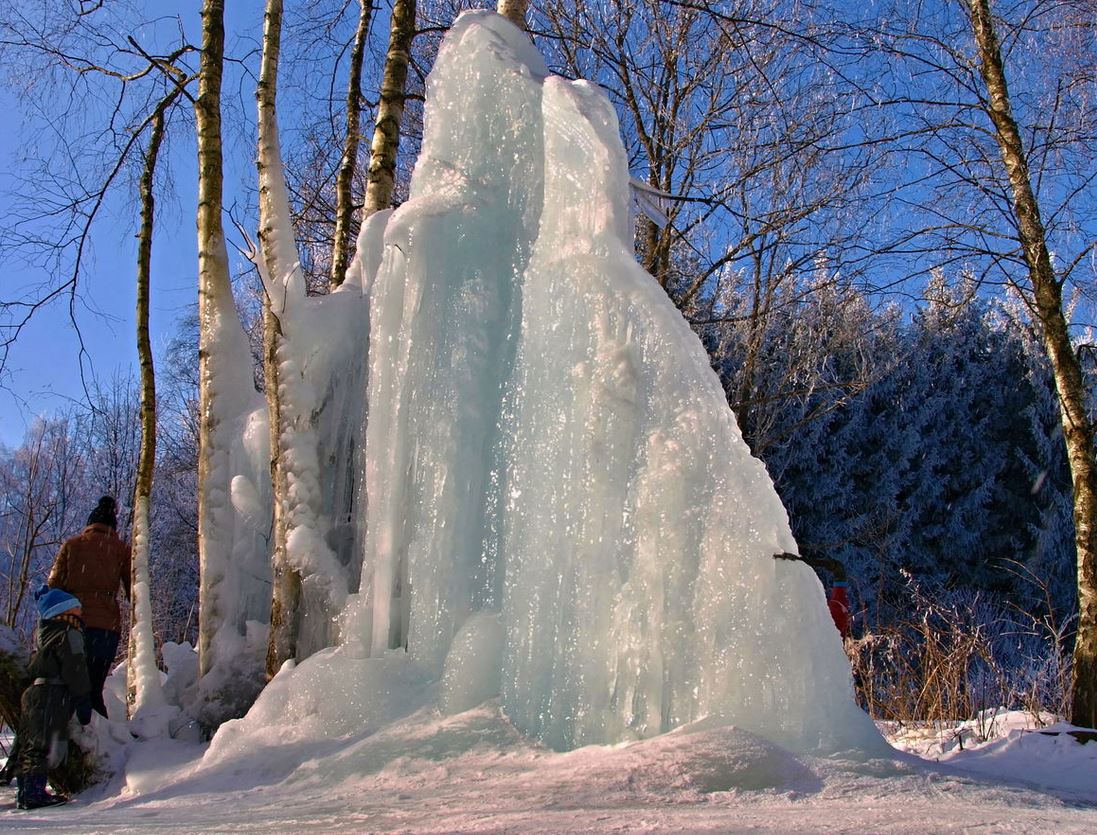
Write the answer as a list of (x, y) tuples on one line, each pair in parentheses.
[(92, 566)]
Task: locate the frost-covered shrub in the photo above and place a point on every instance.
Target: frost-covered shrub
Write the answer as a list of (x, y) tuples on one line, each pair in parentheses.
[(956, 655)]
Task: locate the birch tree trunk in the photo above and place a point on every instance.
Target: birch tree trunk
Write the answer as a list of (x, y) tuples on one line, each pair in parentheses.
[(344, 198), (386, 135), (143, 688), (227, 397), (514, 11), (213, 280), (309, 581), (1048, 306), (286, 593)]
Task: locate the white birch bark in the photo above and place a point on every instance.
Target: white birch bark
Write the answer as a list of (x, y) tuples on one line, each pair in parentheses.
[(309, 584), (386, 135), (144, 691), (143, 673), (514, 11), (231, 558), (1047, 304), (344, 209)]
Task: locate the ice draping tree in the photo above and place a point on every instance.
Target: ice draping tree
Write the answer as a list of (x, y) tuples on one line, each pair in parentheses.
[(312, 471), (311, 420), (233, 483), (279, 264)]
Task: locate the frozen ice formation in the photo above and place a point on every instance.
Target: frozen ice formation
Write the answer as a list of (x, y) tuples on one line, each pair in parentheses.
[(556, 507), (558, 497)]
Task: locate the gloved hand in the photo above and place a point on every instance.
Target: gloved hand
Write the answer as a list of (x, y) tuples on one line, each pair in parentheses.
[(83, 710)]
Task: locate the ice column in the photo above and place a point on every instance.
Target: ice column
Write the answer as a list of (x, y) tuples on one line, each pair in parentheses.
[(443, 325), (558, 496), (641, 591)]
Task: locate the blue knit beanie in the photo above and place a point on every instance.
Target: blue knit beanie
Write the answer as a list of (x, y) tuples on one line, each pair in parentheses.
[(54, 602)]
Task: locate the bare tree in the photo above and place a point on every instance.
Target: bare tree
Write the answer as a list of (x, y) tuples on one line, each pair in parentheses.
[(344, 208), (323, 204), (386, 136), (992, 180), (142, 680), (729, 111), (42, 485), (92, 89)]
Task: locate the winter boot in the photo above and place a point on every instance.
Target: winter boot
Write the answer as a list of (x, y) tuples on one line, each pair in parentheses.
[(32, 793)]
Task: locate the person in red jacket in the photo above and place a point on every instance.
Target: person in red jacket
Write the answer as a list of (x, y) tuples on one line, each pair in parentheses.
[(837, 597), (93, 566)]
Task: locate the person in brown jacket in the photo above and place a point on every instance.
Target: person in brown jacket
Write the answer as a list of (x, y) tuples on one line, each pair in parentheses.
[(92, 566)]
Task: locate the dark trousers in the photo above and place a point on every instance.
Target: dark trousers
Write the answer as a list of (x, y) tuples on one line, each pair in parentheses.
[(43, 728), (100, 647)]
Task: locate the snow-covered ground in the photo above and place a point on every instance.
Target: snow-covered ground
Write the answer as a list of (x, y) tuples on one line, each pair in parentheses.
[(474, 773)]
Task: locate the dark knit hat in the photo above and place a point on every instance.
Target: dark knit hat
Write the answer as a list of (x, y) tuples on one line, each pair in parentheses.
[(54, 602), (104, 513)]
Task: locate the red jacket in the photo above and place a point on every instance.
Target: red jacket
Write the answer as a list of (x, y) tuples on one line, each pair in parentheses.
[(838, 603), (92, 566)]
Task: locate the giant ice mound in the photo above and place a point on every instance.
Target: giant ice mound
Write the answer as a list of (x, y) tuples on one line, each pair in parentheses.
[(559, 508)]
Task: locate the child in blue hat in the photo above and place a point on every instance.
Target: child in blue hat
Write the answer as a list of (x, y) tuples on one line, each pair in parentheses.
[(59, 685)]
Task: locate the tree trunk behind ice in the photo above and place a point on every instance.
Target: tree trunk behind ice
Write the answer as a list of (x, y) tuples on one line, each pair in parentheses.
[(386, 136), (514, 11), (227, 396), (286, 598), (310, 582), (213, 280), (142, 675), (1048, 306), (344, 207)]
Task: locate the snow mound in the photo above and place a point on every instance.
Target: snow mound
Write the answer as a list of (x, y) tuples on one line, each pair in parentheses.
[(697, 759), (1045, 758), (1010, 745), (329, 696)]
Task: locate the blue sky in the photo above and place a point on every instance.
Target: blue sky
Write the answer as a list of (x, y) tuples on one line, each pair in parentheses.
[(43, 367), (44, 372)]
